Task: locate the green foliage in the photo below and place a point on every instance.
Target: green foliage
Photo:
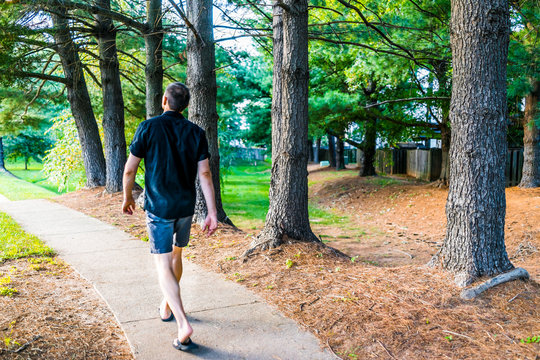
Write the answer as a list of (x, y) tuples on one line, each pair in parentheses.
[(289, 263), (16, 243), (30, 144), (8, 291), (530, 340), (63, 163)]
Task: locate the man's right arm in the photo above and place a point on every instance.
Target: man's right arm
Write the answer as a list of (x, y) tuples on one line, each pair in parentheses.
[(207, 186)]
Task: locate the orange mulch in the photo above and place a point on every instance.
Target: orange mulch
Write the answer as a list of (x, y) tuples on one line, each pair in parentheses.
[(55, 314), (396, 309)]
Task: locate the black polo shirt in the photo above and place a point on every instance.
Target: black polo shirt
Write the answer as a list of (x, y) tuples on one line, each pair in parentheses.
[(171, 147)]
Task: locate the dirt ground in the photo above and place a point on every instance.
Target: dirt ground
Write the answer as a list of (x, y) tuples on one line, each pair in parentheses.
[(55, 315), (382, 302)]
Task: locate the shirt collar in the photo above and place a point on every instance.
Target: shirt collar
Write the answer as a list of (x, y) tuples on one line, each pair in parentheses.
[(174, 114)]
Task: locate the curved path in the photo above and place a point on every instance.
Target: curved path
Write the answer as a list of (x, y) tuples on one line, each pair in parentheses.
[(229, 321)]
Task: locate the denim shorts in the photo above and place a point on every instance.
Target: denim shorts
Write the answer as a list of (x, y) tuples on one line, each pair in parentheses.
[(163, 233)]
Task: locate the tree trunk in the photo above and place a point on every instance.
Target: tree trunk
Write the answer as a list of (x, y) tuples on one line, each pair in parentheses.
[(288, 217), (340, 155), (201, 80), (310, 150), (475, 209), (154, 58), (531, 139), (317, 151), (445, 147), (113, 101), (79, 100), (2, 163), (369, 148), (331, 151)]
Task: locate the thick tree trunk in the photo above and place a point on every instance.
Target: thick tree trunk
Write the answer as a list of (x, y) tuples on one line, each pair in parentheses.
[(340, 154), (79, 100), (331, 150), (154, 58), (476, 205), (317, 151), (113, 101), (445, 147), (201, 80), (288, 217), (369, 148), (531, 139)]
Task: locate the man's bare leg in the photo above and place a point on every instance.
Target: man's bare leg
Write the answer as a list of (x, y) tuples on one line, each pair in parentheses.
[(171, 292), (165, 310)]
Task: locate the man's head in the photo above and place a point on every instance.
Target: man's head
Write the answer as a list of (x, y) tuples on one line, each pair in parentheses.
[(176, 97)]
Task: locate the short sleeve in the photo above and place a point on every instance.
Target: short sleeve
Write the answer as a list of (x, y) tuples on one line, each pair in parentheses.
[(138, 145), (202, 151)]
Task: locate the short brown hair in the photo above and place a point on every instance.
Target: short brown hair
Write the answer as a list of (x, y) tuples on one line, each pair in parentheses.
[(177, 95)]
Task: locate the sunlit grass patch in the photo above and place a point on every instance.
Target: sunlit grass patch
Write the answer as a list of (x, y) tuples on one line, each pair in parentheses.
[(16, 243), (17, 189), (245, 197)]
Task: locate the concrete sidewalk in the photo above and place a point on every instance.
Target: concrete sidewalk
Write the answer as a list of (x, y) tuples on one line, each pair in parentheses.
[(229, 321)]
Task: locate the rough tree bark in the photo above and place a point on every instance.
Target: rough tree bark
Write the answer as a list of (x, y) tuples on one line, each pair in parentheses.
[(531, 139), (476, 205), (370, 138), (113, 101), (153, 40), (331, 150), (201, 80), (340, 154), (79, 100), (369, 148), (317, 151), (288, 217), (445, 147)]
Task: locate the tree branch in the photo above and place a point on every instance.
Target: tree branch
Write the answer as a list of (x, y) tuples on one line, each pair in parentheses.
[(26, 74), (183, 16), (408, 99)]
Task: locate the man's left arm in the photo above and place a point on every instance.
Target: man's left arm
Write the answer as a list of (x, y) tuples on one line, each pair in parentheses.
[(130, 170), (207, 186)]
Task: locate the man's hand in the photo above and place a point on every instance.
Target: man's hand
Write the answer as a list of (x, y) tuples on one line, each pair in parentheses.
[(128, 206), (210, 224)]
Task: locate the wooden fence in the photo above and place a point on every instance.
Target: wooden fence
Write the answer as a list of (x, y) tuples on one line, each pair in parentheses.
[(514, 166), (426, 164), (350, 155)]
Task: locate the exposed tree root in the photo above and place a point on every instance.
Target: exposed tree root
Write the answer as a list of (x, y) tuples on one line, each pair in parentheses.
[(515, 274), (266, 243)]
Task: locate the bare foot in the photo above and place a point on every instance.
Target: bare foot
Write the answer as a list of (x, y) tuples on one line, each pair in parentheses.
[(184, 332)]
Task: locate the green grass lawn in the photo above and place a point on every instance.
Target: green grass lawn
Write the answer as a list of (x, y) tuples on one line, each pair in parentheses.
[(18, 189), (245, 197), (16, 243), (32, 183)]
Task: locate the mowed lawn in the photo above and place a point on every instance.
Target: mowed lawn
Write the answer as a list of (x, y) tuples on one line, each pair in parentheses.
[(29, 183), (245, 197)]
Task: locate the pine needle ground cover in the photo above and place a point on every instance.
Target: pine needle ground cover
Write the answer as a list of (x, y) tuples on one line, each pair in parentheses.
[(380, 301), (46, 309)]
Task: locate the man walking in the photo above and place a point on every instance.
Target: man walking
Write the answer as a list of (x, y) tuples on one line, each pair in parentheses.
[(175, 151)]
